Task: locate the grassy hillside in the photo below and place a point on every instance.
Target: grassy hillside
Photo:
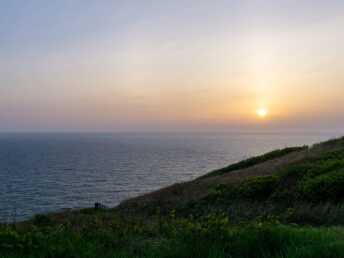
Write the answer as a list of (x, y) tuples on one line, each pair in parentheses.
[(254, 161), (286, 203)]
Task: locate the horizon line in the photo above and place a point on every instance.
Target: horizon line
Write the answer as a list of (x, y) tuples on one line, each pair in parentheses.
[(176, 132)]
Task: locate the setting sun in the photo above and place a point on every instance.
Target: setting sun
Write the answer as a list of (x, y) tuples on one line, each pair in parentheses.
[(261, 112)]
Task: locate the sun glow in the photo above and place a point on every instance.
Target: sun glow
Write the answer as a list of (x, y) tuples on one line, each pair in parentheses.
[(261, 112)]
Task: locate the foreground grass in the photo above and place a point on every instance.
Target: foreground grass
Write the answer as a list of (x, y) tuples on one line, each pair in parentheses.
[(210, 236)]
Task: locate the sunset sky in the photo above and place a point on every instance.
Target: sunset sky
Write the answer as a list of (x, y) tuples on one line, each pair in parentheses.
[(171, 65)]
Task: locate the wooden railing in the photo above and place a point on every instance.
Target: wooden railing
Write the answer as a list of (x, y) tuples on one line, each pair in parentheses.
[(100, 206)]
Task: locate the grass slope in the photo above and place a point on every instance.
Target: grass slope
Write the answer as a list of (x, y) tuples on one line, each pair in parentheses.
[(254, 160), (287, 203)]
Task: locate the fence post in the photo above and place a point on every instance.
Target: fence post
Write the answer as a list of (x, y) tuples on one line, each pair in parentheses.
[(98, 206)]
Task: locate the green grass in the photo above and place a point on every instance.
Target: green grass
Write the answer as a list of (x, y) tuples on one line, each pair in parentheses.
[(254, 160), (209, 236)]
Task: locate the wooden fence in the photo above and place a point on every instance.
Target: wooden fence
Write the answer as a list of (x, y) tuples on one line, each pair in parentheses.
[(100, 206)]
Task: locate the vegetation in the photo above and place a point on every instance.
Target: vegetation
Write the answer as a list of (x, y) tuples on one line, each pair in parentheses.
[(287, 207), (254, 160), (209, 236), (255, 188)]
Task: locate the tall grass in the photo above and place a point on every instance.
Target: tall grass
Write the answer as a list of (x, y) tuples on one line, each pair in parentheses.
[(210, 236)]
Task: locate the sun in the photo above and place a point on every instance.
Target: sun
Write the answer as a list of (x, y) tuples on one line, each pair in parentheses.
[(261, 112)]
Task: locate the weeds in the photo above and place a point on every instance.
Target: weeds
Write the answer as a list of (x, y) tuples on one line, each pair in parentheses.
[(209, 236)]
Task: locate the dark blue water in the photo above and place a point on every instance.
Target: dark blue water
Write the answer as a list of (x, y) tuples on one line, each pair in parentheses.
[(40, 173)]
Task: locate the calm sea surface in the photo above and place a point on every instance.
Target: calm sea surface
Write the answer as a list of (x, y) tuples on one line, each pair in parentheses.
[(40, 173)]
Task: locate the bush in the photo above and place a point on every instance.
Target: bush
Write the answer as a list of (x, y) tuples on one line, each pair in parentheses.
[(286, 196), (325, 167), (211, 195), (256, 188), (330, 161), (326, 186)]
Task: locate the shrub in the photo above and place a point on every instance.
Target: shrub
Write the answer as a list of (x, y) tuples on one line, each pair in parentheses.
[(211, 195), (326, 186), (325, 167), (216, 194), (256, 188), (330, 161), (286, 196), (290, 174)]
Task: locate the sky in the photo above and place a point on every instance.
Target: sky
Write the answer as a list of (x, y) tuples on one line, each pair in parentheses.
[(181, 65)]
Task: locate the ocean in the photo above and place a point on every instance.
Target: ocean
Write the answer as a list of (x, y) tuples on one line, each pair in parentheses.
[(45, 172)]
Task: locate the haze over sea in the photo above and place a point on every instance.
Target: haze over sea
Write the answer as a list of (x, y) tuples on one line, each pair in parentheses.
[(40, 173)]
